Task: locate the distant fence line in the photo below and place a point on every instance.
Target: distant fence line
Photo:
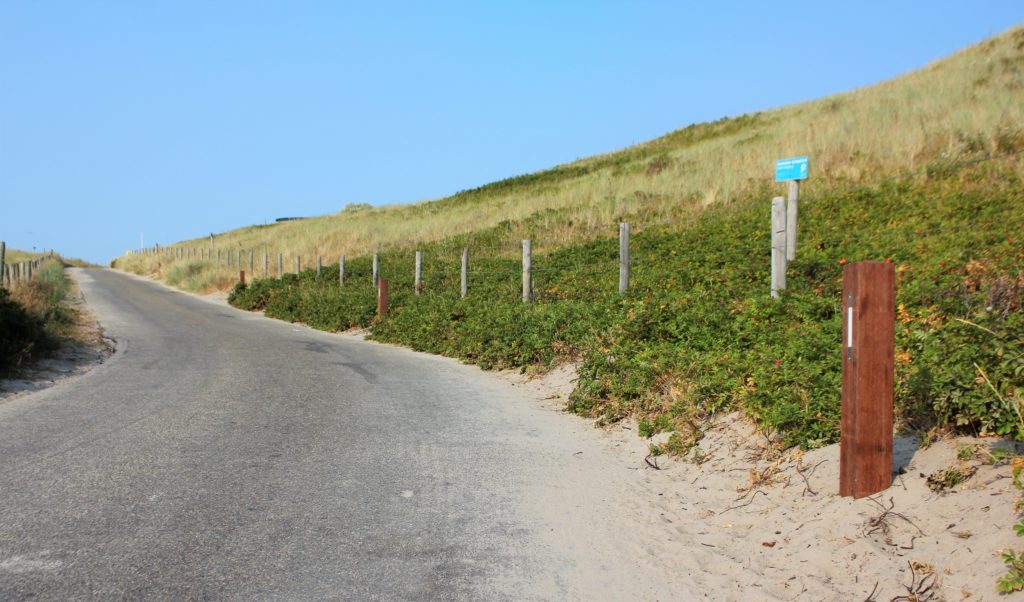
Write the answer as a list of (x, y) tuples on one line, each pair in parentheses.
[(773, 264), (237, 260), (22, 271)]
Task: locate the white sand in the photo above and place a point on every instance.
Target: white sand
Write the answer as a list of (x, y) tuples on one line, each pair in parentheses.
[(710, 528)]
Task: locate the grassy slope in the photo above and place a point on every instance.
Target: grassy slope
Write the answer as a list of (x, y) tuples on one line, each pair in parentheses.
[(923, 169), (966, 100)]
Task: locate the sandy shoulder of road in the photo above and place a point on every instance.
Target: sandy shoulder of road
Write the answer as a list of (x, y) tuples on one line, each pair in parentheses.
[(755, 521)]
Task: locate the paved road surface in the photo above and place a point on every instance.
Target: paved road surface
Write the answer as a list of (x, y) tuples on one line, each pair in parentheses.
[(222, 455)]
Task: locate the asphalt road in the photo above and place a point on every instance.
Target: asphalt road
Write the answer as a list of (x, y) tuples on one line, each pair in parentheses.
[(222, 455)]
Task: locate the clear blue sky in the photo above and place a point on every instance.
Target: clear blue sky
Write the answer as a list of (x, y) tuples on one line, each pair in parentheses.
[(175, 119)]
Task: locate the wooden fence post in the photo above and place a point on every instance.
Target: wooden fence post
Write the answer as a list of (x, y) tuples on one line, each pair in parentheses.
[(527, 272), (252, 269), (623, 258), (319, 267), (341, 271), (298, 264), (869, 318), (382, 298), (375, 276), (241, 276), (280, 265), (464, 286), (791, 215), (778, 245), (266, 263), (418, 275)]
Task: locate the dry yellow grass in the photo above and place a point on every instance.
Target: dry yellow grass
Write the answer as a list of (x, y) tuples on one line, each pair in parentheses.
[(968, 100)]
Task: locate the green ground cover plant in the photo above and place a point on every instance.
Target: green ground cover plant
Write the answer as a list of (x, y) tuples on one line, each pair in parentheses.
[(697, 332)]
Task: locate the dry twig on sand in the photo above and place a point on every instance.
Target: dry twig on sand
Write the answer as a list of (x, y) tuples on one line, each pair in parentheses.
[(921, 588), (881, 522)]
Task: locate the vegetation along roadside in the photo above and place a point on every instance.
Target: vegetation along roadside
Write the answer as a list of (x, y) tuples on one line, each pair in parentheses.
[(37, 316)]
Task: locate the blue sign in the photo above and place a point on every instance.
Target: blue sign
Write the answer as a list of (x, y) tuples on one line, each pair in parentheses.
[(791, 169)]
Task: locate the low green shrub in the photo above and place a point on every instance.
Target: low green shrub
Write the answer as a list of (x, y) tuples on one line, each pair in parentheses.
[(697, 332)]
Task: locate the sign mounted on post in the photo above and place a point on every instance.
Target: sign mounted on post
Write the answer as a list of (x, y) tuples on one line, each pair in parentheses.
[(791, 169)]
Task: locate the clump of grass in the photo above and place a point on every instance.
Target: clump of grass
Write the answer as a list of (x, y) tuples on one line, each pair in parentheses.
[(947, 478)]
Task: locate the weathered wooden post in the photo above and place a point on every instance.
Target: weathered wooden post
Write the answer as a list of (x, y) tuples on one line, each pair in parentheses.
[(866, 438), (319, 267), (280, 265), (778, 245), (527, 272), (252, 270), (375, 275), (241, 276), (266, 263), (341, 271), (382, 298), (418, 273), (791, 215), (464, 286), (623, 258), (298, 264)]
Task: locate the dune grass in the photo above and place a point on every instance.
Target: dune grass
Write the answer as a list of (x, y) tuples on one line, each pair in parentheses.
[(969, 102)]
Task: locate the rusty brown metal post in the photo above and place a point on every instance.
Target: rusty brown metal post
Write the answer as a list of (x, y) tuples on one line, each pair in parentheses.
[(382, 298), (241, 276), (866, 438)]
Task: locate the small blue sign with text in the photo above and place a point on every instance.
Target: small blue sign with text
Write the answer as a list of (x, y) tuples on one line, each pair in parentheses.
[(791, 169)]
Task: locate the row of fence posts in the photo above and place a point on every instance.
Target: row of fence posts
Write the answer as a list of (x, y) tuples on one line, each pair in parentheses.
[(17, 272), (866, 427), (182, 253)]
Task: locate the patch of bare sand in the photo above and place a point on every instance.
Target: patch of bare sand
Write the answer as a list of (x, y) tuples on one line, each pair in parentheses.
[(757, 522), (86, 349)]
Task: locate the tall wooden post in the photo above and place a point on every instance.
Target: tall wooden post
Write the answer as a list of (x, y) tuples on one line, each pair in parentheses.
[(791, 215), (869, 317), (266, 263), (778, 245), (319, 266), (382, 298), (252, 269), (418, 273), (280, 264), (241, 276), (341, 271), (464, 280), (298, 264), (527, 272), (375, 276), (623, 258)]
